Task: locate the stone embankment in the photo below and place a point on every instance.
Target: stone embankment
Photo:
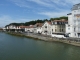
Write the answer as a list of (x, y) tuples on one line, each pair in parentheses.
[(72, 41)]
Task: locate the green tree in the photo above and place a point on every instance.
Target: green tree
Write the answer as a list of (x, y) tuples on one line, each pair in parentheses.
[(59, 18)]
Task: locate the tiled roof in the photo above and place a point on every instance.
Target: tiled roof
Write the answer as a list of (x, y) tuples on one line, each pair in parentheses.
[(31, 26), (38, 24), (49, 22), (62, 20), (24, 26)]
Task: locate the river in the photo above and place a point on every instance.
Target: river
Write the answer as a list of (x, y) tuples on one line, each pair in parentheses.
[(20, 48)]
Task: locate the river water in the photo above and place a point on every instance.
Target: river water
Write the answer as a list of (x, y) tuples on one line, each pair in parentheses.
[(20, 48)]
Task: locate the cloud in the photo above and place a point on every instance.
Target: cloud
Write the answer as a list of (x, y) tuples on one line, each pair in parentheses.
[(46, 3), (50, 8), (21, 3), (5, 19), (42, 2), (55, 3), (72, 1), (54, 14), (49, 4)]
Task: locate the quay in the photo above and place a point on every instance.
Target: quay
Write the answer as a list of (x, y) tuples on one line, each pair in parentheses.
[(46, 38)]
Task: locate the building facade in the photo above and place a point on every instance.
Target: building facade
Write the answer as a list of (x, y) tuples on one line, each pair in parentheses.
[(73, 26), (58, 26), (54, 27), (13, 28), (38, 28), (46, 28), (29, 28)]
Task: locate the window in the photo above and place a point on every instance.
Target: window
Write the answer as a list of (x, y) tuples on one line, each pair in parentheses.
[(59, 22), (68, 28), (74, 29), (75, 34), (68, 25), (55, 30), (45, 31), (62, 22), (45, 26), (62, 30), (55, 22)]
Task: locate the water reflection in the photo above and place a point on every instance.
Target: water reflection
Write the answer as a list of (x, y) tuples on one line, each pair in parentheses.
[(19, 48)]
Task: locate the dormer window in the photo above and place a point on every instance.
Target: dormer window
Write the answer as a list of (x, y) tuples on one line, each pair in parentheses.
[(59, 22), (55, 22)]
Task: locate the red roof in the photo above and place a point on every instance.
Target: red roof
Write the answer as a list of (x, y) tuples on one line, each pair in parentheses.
[(39, 24), (62, 20), (24, 26), (49, 22), (31, 26)]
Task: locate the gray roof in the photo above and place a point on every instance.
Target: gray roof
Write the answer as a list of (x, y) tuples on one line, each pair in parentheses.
[(76, 7), (69, 14)]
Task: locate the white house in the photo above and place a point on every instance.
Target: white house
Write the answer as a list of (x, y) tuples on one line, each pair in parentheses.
[(54, 27), (12, 28), (73, 26), (38, 28), (46, 28), (29, 28)]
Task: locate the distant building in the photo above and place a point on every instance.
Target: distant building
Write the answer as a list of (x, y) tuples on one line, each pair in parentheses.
[(73, 26), (29, 28), (1, 29), (13, 28)]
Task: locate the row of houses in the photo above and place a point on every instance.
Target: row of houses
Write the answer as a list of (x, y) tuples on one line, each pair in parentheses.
[(46, 28), (70, 27)]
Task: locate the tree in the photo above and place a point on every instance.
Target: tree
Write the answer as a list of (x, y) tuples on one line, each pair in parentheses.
[(64, 17), (59, 18), (33, 22)]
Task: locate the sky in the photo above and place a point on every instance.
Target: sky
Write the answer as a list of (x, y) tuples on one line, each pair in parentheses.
[(20, 11)]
